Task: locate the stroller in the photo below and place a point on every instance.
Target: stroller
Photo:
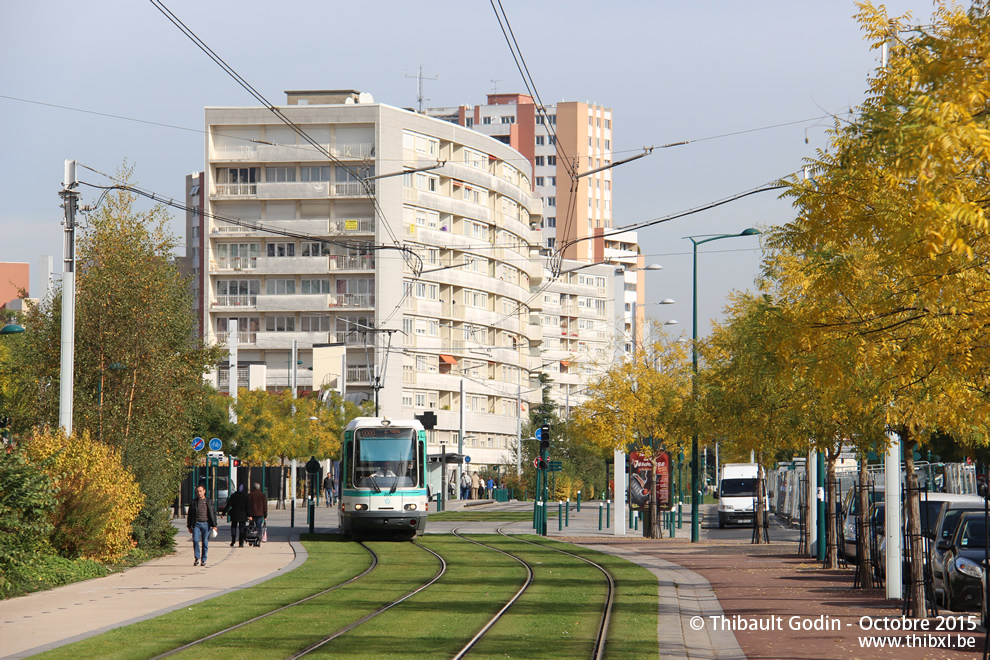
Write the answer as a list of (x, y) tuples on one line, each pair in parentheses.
[(253, 535)]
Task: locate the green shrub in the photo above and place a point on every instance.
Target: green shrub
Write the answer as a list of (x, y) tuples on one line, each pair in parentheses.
[(27, 499), (49, 571)]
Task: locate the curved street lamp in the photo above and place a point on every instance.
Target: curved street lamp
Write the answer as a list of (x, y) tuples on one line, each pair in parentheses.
[(695, 497)]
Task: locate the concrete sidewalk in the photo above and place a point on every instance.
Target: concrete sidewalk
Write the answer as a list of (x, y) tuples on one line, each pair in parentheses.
[(48, 619)]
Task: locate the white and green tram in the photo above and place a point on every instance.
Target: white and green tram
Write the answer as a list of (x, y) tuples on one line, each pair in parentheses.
[(383, 477)]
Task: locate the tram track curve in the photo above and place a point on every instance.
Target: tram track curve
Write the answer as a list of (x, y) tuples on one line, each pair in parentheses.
[(351, 626), (189, 645)]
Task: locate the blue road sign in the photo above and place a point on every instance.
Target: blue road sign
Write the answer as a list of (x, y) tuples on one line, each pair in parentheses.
[(198, 444), (539, 433), (467, 459), (215, 444)]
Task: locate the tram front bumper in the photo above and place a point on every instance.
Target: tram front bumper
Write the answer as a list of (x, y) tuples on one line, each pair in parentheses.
[(388, 520)]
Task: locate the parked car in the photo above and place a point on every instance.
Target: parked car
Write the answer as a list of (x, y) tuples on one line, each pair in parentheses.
[(737, 494), (962, 565), (847, 531), (945, 528), (932, 506)]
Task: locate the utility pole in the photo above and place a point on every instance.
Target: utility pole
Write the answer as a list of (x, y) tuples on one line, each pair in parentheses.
[(70, 202), (419, 87)]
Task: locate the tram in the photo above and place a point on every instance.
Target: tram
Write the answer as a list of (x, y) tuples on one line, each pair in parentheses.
[(383, 477)]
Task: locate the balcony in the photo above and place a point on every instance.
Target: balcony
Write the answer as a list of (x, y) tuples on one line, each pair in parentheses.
[(290, 152), (358, 375), (235, 301), (352, 300), (292, 190), (244, 337), (344, 262), (353, 226), (235, 263)]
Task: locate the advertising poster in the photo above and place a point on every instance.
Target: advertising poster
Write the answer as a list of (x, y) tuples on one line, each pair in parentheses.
[(639, 479)]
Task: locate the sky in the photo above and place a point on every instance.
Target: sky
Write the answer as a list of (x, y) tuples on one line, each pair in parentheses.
[(671, 71)]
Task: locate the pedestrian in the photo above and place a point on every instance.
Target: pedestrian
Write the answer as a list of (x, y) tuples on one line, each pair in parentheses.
[(201, 521), (475, 485), (451, 485), (258, 507), (328, 490), (465, 485), (491, 487), (237, 509)]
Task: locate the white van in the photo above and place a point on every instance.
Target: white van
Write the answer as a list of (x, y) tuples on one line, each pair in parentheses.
[(737, 493)]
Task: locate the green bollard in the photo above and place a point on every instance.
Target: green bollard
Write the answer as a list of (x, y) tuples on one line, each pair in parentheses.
[(631, 514), (292, 514), (567, 514), (599, 516), (636, 524), (680, 511), (579, 502), (560, 516), (312, 516), (608, 513)]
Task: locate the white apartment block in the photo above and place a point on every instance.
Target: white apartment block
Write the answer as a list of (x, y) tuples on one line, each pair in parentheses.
[(298, 246)]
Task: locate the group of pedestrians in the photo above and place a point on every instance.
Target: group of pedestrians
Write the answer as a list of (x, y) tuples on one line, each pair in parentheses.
[(475, 487), (201, 520)]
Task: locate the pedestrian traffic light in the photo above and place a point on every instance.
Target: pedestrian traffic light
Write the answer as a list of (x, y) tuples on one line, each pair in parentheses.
[(544, 437), (235, 462)]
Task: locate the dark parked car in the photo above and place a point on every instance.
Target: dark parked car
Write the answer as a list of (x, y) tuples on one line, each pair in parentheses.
[(945, 529), (963, 558)]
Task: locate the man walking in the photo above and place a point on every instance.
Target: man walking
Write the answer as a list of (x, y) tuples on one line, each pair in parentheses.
[(258, 507), (465, 484), (328, 490), (200, 521)]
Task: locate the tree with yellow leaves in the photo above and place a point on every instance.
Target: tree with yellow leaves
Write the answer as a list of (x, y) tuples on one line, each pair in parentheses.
[(643, 403), (889, 256)]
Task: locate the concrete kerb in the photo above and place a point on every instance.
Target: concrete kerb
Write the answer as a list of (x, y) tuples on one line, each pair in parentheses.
[(683, 595)]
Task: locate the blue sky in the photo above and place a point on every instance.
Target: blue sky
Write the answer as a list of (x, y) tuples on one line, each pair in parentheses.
[(670, 70)]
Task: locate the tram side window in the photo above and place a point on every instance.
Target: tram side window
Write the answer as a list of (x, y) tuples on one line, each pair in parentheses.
[(349, 458)]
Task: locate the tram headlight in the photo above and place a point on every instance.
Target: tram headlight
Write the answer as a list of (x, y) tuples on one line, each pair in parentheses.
[(360, 507), (410, 507)]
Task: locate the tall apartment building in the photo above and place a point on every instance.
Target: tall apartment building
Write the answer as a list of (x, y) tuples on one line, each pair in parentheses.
[(575, 217), (423, 277)]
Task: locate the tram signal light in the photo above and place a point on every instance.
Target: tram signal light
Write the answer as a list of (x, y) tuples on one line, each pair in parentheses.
[(544, 438)]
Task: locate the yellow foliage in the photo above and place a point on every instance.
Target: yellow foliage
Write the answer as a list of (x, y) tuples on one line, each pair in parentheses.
[(97, 498)]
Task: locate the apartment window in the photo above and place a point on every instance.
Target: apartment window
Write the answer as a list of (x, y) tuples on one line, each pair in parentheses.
[(469, 122), (552, 160), (280, 287), (540, 160), (476, 299), (608, 124), (314, 173), (426, 363), (476, 195), (315, 286), (475, 159), (591, 121), (539, 180), (551, 221), (608, 184), (486, 120), (420, 143), (407, 399), (551, 242), (427, 182), (608, 144), (552, 140), (237, 292), (238, 180), (280, 323), (553, 119), (314, 249), (281, 249), (238, 255), (426, 291), (539, 119), (590, 143), (476, 230), (551, 201), (552, 180), (508, 120), (315, 323), (433, 327), (280, 174), (540, 140), (420, 399)]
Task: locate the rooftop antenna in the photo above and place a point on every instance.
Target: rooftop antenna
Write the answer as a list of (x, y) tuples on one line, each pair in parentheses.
[(495, 82), (419, 96)]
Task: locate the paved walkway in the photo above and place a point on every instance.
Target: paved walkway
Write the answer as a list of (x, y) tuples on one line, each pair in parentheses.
[(708, 592)]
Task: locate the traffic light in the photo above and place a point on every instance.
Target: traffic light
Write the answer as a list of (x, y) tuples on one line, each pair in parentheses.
[(544, 438), (235, 462)]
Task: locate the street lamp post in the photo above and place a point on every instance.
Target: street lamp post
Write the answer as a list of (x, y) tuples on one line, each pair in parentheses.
[(695, 496)]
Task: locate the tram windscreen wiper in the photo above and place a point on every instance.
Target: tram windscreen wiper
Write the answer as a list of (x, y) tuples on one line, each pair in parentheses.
[(395, 484), (374, 483)]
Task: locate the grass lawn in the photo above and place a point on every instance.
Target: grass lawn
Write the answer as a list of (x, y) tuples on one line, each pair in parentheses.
[(556, 618), (332, 559), (482, 516)]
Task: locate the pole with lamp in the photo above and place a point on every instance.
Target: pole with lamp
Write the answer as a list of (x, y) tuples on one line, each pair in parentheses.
[(695, 491)]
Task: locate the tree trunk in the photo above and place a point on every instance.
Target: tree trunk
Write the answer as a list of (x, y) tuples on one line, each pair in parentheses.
[(863, 527), (759, 514), (831, 528), (810, 500), (655, 531), (913, 505)]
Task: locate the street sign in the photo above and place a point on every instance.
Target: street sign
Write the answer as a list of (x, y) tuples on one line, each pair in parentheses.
[(216, 444), (216, 456), (556, 466), (539, 433), (198, 444), (536, 463), (467, 459), (312, 465)]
